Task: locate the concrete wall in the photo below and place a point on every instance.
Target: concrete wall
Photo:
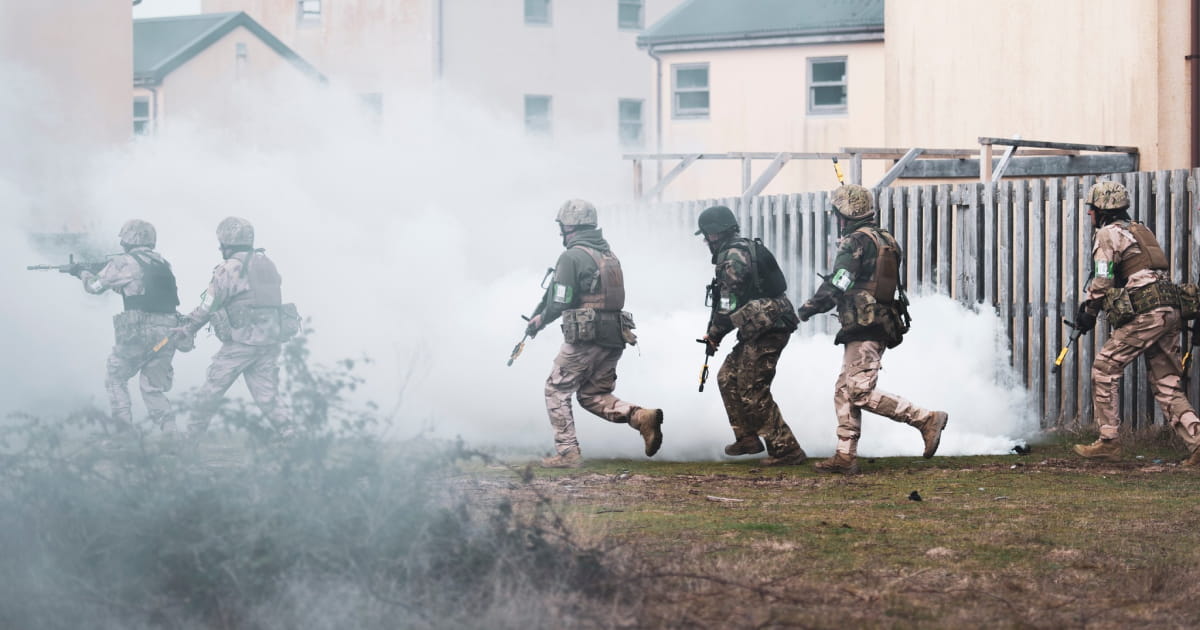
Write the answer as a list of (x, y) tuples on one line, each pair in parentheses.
[(1088, 71), (758, 102)]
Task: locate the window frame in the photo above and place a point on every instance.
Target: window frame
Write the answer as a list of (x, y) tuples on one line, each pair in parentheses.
[(676, 112), (549, 122), (549, 14), (641, 15), (306, 18), (623, 122), (146, 121), (819, 110)]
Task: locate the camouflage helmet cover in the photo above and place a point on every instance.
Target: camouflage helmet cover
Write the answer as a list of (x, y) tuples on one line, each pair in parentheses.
[(1108, 195), (715, 220), (853, 202), (235, 232), (577, 212), (138, 233)]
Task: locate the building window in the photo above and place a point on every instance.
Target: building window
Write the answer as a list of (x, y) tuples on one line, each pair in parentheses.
[(241, 52), (537, 11), (308, 12), (629, 112), (537, 114), (827, 85), (141, 116), (690, 90), (629, 14)]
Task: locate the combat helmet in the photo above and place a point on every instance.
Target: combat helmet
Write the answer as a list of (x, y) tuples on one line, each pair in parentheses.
[(853, 202), (235, 232), (138, 233), (715, 220), (1107, 195), (577, 212)]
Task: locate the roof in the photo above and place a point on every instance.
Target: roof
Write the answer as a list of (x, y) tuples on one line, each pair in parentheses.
[(160, 45), (700, 22)]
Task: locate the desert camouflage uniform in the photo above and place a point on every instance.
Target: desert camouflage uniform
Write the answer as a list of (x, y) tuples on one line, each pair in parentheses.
[(136, 333), (586, 369), (855, 266), (1153, 333), (251, 350), (746, 374)]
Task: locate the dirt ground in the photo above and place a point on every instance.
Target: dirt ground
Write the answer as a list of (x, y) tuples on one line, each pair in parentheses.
[(1043, 540)]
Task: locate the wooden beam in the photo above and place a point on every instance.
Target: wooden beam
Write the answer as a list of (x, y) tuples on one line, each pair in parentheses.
[(856, 169), (876, 153), (766, 177), (637, 179), (999, 172), (985, 159), (1042, 166), (1042, 144), (671, 175), (895, 171), (746, 173)]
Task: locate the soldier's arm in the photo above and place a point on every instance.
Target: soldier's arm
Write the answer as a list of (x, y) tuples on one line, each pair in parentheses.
[(733, 276), (217, 294), (846, 267), (1104, 270), (563, 294), (115, 275)]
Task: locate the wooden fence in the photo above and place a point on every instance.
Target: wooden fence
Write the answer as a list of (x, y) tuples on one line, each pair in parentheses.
[(1021, 247)]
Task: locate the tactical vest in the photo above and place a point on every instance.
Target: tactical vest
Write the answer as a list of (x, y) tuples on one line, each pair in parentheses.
[(882, 284), (769, 281), (265, 281), (1151, 255), (607, 289), (159, 291)]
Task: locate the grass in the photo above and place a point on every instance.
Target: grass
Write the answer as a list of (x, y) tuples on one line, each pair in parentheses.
[(1042, 540)]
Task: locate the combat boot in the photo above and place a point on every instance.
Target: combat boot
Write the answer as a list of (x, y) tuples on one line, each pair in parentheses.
[(1107, 450), (572, 458), (931, 432), (648, 422), (1193, 461), (841, 463), (749, 445), (790, 457)]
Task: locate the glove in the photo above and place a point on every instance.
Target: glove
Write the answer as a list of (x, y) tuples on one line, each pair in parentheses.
[(1084, 321), (806, 311), (535, 324), (182, 338), (76, 270), (710, 345)]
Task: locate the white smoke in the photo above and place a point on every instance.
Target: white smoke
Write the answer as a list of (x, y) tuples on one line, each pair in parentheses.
[(419, 243)]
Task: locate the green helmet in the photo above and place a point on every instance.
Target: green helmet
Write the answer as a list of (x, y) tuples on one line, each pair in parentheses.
[(715, 220), (235, 232), (853, 202), (577, 212), (138, 233), (1108, 195)]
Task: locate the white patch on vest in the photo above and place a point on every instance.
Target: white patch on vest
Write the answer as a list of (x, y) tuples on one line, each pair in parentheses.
[(729, 303), (1104, 268), (842, 279), (562, 293)]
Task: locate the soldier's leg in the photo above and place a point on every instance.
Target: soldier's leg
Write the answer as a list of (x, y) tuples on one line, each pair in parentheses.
[(1122, 347), (1166, 378), (861, 391), (227, 365), (599, 381), (262, 379), (121, 366), (849, 416), (156, 379), (570, 367), (759, 361), (728, 382)]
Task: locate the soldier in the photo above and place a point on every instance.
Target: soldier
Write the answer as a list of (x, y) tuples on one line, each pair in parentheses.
[(863, 286), (144, 280), (749, 293), (1130, 280), (589, 293), (244, 304)]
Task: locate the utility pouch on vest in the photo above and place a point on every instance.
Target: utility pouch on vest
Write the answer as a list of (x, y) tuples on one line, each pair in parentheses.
[(128, 327), (1152, 296), (1189, 300), (609, 333), (627, 327), (756, 317), (1119, 307), (860, 312), (579, 325), (221, 326), (289, 321)]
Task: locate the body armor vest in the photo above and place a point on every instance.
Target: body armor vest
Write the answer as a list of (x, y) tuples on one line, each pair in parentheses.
[(769, 281), (1151, 255), (607, 290), (882, 284), (265, 282), (159, 291)]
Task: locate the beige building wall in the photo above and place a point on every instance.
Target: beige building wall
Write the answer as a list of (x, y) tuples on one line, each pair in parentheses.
[(1087, 71), (66, 66), (758, 103)]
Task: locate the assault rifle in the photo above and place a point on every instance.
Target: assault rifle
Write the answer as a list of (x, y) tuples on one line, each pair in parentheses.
[(520, 347), (72, 267), (708, 352), (1067, 348)]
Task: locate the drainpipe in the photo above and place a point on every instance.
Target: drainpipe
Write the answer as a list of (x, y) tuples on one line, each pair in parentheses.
[(153, 109), (658, 109), (1194, 58)]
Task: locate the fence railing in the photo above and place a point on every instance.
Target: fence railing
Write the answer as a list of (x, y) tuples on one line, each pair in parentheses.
[(1022, 247)]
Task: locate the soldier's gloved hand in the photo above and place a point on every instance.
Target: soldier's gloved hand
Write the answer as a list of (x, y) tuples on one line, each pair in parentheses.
[(806, 311), (76, 270), (535, 324), (1084, 321), (710, 345), (182, 338)]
